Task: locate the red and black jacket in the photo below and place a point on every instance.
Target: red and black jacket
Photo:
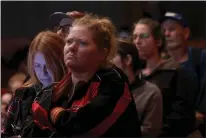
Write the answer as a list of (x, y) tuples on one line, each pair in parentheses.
[(102, 107)]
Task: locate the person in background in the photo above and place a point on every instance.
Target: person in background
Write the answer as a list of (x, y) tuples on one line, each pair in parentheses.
[(93, 99), (16, 81), (4, 107), (124, 33), (3, 91), (18, 62), (6, 98), (147, 96), (45, 66), (5, 101), (61, 22), (177, 32), (176, 84)]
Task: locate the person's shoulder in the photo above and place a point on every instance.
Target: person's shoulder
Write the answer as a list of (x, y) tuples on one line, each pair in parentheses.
[(153, 89), (20, 91), (186, 71), (190, 48), (112, 74), (193, 51), (26, 91), (185, 75), (169, 64), (203, 54), (152, 86)]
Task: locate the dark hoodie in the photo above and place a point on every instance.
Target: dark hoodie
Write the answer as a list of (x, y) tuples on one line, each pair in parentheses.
[(178, 87)]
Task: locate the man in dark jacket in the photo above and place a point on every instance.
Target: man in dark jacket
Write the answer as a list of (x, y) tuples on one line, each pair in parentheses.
[(177, 32), (176, 84)]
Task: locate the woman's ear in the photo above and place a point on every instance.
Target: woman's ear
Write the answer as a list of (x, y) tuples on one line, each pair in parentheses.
[(128, 60)]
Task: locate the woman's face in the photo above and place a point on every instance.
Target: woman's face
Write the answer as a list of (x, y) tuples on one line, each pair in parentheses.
[(81, 52), (144, 41), (6, 98), (43, 73)]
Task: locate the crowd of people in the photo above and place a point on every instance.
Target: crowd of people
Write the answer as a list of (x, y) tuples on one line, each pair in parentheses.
[(82, 79)]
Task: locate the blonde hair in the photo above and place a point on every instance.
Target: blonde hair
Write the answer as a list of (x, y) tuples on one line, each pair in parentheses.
[(19, 76), (103, 31), (51, 46)]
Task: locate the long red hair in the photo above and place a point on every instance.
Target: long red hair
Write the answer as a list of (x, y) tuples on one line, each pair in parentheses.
[(58, 90), (51, 46)]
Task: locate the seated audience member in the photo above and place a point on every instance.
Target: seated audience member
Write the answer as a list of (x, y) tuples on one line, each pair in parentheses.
[(147, 96), (176, 84), (3, 91), (6, 98), (4, 107), (93, 100), (62, 22), (18, 60), (177, 32), (124, 33), (201, 115), (45, 66), (17, 63)]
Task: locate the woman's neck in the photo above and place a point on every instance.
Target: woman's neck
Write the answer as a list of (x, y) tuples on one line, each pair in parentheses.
[(131, 75), (77, 77), (180, 55), (151, 64)]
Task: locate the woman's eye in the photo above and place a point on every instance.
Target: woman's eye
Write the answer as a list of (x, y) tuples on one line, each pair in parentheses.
[(37, 66), (82, 43), (69, 41)]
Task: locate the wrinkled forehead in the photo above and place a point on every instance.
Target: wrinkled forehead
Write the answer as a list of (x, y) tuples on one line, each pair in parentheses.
[(141, 28), (80, 31), (75, 27), (171, 23)]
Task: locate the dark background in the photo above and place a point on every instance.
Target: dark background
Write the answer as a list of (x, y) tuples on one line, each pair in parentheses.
[(22, 20), (27, 18)]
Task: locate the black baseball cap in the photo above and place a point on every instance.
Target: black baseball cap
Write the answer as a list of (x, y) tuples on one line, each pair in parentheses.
[(175, 16), (60, 19)]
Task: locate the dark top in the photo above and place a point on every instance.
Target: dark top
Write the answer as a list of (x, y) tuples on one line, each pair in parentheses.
[(91, 105), (18, 110), (196, 63), (176, 85)]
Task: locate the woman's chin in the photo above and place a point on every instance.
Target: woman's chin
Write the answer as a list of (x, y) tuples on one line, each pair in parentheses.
[(70, 63)]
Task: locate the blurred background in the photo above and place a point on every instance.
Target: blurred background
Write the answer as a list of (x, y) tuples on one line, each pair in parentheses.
[(22, 20)]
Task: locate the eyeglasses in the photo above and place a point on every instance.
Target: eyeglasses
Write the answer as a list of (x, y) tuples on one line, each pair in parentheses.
[(65, 29), (141, 36)]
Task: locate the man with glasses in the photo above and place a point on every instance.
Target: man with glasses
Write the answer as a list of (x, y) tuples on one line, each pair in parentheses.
[(173, 81), (61, 23)]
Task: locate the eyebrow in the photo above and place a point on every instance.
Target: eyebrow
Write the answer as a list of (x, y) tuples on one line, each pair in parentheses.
[(36, 63)]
